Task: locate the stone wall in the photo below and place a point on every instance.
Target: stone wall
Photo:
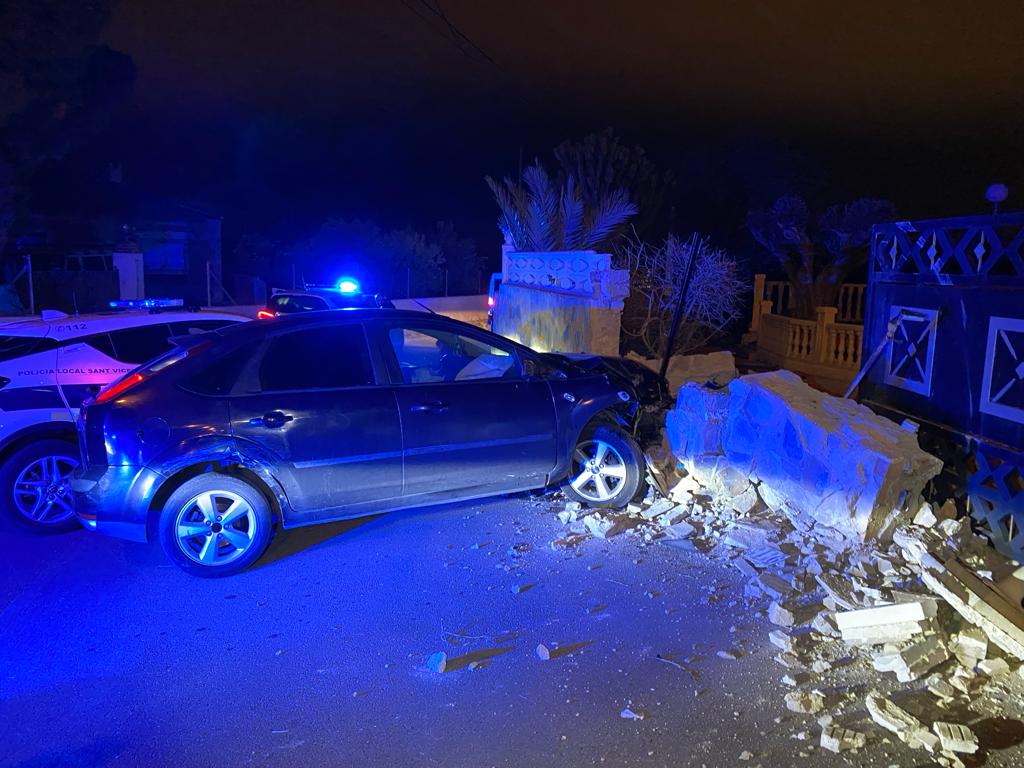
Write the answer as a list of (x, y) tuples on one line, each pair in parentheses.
[(815, 455), (563, 301)]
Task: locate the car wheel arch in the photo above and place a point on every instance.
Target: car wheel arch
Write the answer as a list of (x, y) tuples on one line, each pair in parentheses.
[(252, 474), (60, 430)]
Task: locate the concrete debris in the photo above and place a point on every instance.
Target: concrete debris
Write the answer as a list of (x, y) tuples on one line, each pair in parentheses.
[(766, 557), (893, 718), (780, 616), (993, 667), (680, 530), (438, 662), (954, 737), (633, 714), (953, 581), (787, 485), (836, 739), (804, 702), (914, 661), (603, 527), (543, 652), (798, 442)]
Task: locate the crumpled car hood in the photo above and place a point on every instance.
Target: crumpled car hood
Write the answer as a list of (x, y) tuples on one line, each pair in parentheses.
[(650, 388)]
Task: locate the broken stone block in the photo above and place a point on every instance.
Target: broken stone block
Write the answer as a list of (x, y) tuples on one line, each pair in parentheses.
[(747, 535), (939, 688), (839, 590), (837, 739), (914, 661), (780, 616), (782, 640), (680, 530), (603, 527), (795, 679), (970, 646), (774, 585), (804, 702), (660, 507), (896, 719), (745, 502), (695, 426), (438, 662), (925, 517), (718, 477), (831, 459), (954, 737), (766, 556), (899, 613), (993, 667), (824, 623)]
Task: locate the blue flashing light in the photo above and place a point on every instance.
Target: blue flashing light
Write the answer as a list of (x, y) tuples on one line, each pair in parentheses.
[(348, 285), (145, 303)]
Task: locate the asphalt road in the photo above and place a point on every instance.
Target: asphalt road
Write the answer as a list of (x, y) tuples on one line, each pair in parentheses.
[(319, 654)]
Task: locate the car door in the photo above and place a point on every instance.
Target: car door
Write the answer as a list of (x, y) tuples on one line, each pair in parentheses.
[(316, 411), (471, 421)]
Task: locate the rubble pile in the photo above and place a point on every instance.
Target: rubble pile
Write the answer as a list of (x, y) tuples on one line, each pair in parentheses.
[(899, 631), (822, 456)]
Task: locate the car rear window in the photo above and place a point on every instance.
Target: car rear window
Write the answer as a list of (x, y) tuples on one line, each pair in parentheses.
[(287, 303), (317, 358), (12, 347)]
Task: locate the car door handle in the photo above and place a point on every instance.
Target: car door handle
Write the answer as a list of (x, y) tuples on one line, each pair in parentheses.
[(434, 407), (271, 419)]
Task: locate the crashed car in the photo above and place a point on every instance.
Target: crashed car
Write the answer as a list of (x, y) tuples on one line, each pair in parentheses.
[(321, 416)]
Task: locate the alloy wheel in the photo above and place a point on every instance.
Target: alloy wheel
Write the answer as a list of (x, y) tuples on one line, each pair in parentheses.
[(42, 490), (598, 472), (215, 527)]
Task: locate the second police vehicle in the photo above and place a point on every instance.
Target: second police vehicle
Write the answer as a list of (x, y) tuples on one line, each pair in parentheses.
[(48, 366)]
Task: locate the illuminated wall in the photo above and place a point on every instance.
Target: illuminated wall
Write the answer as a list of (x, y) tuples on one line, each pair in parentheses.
[(562, 301)]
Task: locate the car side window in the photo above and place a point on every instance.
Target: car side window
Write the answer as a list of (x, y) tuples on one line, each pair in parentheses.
[(435, 355), (317, 358), (141, 343)]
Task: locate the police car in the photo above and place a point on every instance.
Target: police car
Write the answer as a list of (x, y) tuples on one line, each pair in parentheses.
[(48, 366), (347, 294)]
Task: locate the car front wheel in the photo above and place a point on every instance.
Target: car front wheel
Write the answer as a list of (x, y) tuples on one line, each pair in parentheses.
[(35, 486), (607, 468), (215, 525)]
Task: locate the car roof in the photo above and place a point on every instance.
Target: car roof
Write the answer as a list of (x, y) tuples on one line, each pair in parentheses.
[(299, 320), (73, 326)]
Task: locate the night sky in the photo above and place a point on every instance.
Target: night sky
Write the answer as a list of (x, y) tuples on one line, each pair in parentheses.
[(280, 114)]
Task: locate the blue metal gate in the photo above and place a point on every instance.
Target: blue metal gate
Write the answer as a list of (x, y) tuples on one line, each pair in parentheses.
[(946, 305)]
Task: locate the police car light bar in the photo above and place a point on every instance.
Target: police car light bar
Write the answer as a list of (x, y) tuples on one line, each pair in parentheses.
[(146, 303), (348, 285)]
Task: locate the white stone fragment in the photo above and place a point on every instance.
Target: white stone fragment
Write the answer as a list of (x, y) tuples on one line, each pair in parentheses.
[(837, 739), (993, 667), (780, 615), (804, 702), (603, 527), (899, 613), (914, 661), (896, 719), (955, 737)]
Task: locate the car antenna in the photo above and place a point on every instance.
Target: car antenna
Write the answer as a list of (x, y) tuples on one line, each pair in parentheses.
[(417, 301)]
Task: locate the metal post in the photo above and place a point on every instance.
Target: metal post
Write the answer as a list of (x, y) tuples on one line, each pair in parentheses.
[(31, 289), (677, 315)]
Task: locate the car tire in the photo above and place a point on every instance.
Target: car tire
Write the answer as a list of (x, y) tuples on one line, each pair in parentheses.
[(27, 475), (215, 525), (607, 468)]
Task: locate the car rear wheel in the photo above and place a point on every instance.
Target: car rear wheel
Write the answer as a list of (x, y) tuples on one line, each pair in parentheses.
[(215, 525), (35, 486), (607, 468)]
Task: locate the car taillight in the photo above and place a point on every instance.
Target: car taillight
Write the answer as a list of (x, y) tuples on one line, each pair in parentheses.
[(119, 387), (264, 314)]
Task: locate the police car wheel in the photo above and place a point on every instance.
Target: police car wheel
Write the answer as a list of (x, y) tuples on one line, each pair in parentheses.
[(215, 525), (35, 486)]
